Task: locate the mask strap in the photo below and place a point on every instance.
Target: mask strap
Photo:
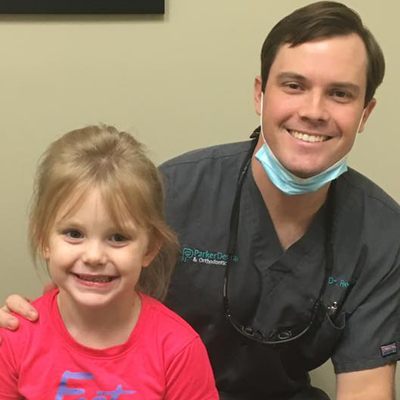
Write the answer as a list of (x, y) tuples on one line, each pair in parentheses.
[(261, 117), (361, 120)]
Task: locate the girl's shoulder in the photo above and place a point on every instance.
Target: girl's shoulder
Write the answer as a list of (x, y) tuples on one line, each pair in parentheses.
[(164, 323), (20, 341)]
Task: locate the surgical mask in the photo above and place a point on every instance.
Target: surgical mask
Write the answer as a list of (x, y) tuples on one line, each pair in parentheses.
[(289, 183)]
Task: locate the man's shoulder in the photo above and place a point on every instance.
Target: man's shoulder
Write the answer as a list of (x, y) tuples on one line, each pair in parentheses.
[(374, 196), (208, 155), (201, 177)]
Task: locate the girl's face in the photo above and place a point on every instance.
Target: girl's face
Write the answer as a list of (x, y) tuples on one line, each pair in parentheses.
[(94, 263)]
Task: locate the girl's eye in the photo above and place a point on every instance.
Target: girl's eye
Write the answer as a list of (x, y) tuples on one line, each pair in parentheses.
[(118, 238), (73, 234)]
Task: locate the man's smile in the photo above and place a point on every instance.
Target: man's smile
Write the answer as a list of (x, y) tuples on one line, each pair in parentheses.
[(308, 137)]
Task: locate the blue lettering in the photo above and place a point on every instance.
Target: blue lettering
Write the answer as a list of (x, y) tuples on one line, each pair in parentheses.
[(342, 283), (117, 392), (222, 256), (195, 255), (331, 280), (63, 390)]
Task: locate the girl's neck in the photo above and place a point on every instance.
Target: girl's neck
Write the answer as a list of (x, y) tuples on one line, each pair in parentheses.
[(100, 327)]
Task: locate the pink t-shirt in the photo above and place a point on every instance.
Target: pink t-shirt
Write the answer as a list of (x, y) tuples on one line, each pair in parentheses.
[(163, 358)]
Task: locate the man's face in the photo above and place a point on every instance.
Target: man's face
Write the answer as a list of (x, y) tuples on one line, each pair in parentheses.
[(314, 101)]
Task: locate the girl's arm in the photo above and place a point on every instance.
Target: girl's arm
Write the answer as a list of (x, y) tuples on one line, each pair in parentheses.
[(8, 372)]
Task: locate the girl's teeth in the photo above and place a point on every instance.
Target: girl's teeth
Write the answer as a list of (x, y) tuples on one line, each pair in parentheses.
[(91, 278)]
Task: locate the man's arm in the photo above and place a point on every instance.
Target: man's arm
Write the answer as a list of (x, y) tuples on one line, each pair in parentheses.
[(370, 384)]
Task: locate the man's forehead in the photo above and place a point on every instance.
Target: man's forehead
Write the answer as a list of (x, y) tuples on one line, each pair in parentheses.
[(341, 59)]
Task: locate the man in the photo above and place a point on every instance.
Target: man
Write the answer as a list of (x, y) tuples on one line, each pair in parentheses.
[(289, 258)]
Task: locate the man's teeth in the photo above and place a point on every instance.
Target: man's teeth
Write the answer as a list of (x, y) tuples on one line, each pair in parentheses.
[(305, 137), (95, 278)]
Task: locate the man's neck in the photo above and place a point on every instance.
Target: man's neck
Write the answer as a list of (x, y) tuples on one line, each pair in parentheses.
[(291, 215)]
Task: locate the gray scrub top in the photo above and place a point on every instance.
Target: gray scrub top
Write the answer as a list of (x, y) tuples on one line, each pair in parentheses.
[(274, 290)]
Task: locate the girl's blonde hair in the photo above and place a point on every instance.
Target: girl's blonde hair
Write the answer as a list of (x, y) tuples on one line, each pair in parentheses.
[(114, 162)]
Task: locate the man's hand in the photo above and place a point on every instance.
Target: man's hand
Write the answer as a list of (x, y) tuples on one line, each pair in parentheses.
[(20, 306)]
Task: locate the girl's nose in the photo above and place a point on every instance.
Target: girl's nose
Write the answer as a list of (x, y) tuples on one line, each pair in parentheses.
[(94, 253)]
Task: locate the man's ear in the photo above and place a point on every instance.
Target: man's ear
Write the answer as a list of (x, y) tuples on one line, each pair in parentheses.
[(367, 112), (257, 94)]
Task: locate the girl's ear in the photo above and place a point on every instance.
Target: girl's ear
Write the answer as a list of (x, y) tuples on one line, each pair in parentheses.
[(152, 251), (46, 253)]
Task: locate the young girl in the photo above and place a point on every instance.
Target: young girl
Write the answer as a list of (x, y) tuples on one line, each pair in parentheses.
[(97, 222)]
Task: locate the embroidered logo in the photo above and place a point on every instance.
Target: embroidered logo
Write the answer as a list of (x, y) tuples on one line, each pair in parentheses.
[(197, 256), (334, 281), (388, 349)]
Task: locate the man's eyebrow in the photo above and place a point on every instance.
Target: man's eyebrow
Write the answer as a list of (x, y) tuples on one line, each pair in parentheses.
[(346, 85), (291, 75), (339, 85)]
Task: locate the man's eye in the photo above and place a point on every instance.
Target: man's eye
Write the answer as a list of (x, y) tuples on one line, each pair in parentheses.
[(292, 86), (73, 234), (341, 95)]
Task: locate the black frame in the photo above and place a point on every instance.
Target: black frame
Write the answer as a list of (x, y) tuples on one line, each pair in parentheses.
[(82, 7)]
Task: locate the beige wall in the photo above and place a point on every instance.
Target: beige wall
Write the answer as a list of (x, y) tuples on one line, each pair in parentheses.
[(178, 82)]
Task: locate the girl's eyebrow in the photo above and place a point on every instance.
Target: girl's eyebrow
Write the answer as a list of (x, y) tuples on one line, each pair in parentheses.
[(67, 219)]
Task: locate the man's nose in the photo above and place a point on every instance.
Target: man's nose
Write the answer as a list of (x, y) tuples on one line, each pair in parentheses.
[(314, 107)]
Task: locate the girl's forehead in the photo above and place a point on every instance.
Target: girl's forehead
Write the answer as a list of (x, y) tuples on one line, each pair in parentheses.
[(114, 205), (71, 203)]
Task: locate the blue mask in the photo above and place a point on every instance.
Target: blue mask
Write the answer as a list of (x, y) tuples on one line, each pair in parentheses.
[(291, 184)]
